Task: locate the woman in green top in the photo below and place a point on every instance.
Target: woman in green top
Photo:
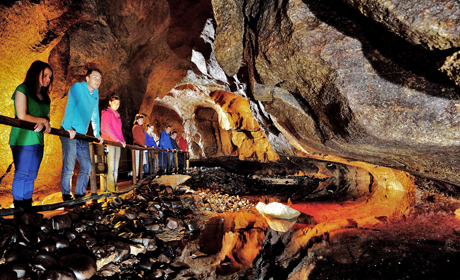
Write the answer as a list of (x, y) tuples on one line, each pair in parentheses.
[(32, 104)]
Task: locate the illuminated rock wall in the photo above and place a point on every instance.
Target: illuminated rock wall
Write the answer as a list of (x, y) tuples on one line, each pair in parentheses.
[(365, 80), (254, 79), (146, 51), (30, 32)]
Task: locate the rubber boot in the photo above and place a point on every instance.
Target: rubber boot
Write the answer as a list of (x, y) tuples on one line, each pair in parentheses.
[(18, 204), (27, 204), (67, 197)]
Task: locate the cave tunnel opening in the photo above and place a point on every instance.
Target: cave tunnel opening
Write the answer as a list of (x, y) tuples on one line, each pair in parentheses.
[(215, 141), (162, 116)]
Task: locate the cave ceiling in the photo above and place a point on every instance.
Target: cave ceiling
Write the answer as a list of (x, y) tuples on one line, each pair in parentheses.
[(362, 81)]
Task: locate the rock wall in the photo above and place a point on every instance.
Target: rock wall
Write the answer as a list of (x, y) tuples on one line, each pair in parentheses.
[(373, 81), (363, 80), (146, 50)]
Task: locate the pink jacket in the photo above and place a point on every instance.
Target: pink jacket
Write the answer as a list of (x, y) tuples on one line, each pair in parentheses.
[(111, 126)]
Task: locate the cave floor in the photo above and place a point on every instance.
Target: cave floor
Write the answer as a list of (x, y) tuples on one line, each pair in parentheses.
[(424, 243), (421, 246)]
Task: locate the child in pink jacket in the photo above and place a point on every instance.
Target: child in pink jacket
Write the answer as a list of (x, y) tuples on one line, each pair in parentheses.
[(111, 131)]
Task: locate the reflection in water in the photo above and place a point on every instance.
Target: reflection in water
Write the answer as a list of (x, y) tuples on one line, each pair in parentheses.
[(236, 239)]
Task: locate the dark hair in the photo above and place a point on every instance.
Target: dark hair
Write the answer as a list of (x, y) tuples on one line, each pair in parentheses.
[(113, 97), (91, 70), (32, 81), (173, 132), (138, 116), (148, 125), (167, 126)]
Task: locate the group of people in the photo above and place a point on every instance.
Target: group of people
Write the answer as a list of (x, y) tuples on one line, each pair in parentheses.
[(143, 139), (167, 141), (32, 103)]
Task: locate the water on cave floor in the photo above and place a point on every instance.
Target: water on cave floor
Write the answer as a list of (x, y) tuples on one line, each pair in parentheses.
[(237, 242), (422, 244)]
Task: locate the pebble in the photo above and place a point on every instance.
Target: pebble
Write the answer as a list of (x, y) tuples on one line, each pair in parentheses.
[(109, 270), (20, 268), (172, 223), (61, 243), (82, 266), (58, 275), (192, 225), (61, 222), (156, 228), (28, 234), (43, 262), (130, 214), (19, 252), (9, 276), (138, 238)]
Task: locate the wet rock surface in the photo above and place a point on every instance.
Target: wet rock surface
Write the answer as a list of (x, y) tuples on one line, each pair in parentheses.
[(202, 230), (141, 238), (289, 179)]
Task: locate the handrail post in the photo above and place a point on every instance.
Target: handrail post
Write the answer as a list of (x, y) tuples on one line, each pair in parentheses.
[(157, 157), (168, 166), (151, 161), (176, 162), (141, 164), (92, 176), (133, 156), (185, 161)]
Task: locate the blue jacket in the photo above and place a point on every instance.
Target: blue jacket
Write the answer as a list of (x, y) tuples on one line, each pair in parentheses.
[(165, 140), (82, 107), (149, 141)]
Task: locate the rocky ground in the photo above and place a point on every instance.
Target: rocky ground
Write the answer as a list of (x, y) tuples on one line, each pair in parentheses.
[(208, 228)]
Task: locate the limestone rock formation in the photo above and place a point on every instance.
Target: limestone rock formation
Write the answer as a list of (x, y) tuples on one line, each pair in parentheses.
[(367, 84), (430, 24), (347, 81), (334, 81)]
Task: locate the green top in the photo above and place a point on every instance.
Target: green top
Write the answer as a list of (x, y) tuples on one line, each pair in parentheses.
[(23, 137)]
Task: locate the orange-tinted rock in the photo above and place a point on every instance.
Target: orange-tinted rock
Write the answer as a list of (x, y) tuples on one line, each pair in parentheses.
[(356, 79)]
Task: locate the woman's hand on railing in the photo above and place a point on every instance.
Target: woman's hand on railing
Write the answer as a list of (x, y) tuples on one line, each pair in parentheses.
[(101, 140), (38, 127), (48, 127), (123, 144)]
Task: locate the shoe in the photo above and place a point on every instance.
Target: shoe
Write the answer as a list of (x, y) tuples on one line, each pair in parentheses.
[(27, 205), (19, 204), (130, 174), (67, 197)]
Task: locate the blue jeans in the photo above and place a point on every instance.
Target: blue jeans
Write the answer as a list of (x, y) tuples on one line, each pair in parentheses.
[(75, 149), (147, 165), (113, 160), (27, 161), (181, 160), (163, 160)]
